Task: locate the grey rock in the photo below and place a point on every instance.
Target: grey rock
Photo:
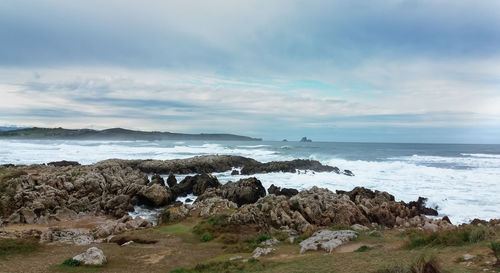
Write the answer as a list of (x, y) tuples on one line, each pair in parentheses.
[(93, 256), (270, 242), (430, 227), (260, 251), (235, 258), (155, 195), (327, 240), (468, 257), (359, 227)]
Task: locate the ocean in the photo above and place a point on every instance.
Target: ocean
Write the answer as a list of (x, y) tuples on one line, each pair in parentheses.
[(461, 180)]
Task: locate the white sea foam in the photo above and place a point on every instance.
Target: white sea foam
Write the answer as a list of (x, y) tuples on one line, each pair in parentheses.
[(463, 187)]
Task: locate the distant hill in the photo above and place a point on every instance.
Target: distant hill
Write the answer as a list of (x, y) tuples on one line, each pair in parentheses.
[(10, 128), (112, 134)]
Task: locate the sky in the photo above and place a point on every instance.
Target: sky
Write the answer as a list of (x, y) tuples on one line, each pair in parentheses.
[(371, 71)]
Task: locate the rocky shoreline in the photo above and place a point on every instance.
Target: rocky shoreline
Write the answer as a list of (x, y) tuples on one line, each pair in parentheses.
[(44, 195)]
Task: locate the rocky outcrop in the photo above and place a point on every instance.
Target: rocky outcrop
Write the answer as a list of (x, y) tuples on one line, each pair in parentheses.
[(327, 240), (196, 184), (244, 191), (157, 179), (288, 166), (40, 194), (93, 256), (288, 192), (171, 180), (222, 163), (315, 208), (421, 208), (63, 163)]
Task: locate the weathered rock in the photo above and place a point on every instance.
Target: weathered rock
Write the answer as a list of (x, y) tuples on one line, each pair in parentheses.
[(28, 216), (155, 195), (348, 173), (260, 251), (93, 256), (235, 172), (65, 214), (359, 227), (270, 242), (244, 191), (171, 180), (70, 235), (431, 227), (327, 240)]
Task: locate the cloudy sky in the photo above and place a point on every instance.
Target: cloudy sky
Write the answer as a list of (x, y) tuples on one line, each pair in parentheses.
[(382, 70)]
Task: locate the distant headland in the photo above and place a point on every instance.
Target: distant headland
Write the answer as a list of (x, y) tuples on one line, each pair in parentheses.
[(113, 134)]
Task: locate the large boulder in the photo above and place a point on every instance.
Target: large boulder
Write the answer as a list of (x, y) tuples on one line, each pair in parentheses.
[(421, 208), (93, 256), (171, 180), (157, 179), (155, 195), (244, 191), (288, 166)]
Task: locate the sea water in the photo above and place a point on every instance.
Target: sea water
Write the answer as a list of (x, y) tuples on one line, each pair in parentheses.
[(462, 181)]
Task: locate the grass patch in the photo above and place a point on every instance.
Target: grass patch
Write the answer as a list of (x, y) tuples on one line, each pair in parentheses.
[(17, 247), (340, 227), (225, 267), (176, 229), (424, 264), (363, 249), (495, 247), (215, 225), (455, 237)]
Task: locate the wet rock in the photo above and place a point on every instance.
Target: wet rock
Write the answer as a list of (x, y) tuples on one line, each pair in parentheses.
[(235, 172), (63, 163), (327, 240), (282, 191), (93, 256), (157, 179), (305, 139), (195, 184), (348, 173), (171, 180), (288, 166), (188, 200), (446, 219), (421, 208), (244, 191)]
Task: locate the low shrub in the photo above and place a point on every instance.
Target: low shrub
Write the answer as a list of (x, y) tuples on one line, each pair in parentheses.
[(206, 237), (424, 264), (71, 262), (495, 247), (363, 249)]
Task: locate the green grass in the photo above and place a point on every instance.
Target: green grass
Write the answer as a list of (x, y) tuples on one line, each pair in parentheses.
[(455, 237), (71, 262), (82, 268), (363, 249), (206, 237), (176, 229), (17, 247), (423, 264)]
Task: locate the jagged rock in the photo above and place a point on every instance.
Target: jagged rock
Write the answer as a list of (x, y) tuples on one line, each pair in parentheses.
[(305, 139), (28, 215), (235, 172), (244, 191), (65, 214), (446, 219), (327, 240), (421, 208), (279, 191), (171, 180), (260, 251), (157, 179), (70, 235), (195, 184), (93, 256), (348, 173)]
